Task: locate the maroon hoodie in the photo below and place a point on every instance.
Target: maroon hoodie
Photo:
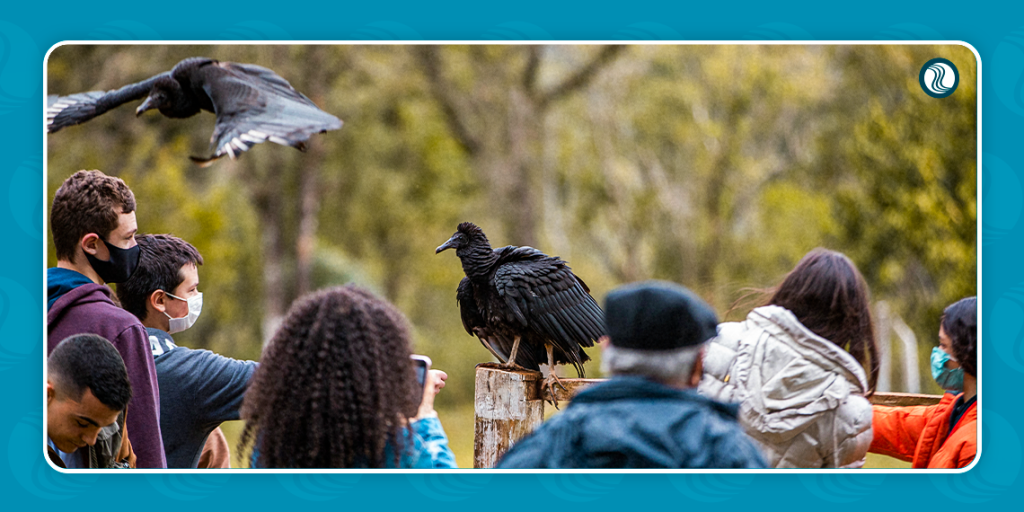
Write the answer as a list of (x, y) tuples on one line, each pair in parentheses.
[(89, 309)]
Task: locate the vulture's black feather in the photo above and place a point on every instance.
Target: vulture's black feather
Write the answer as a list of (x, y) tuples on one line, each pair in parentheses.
[(252, 104), (520, 291)]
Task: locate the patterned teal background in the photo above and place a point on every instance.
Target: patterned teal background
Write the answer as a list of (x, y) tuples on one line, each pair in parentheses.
[(27, 30)]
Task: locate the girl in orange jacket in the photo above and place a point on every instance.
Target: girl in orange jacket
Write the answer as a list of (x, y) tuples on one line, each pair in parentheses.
[(944, 435)]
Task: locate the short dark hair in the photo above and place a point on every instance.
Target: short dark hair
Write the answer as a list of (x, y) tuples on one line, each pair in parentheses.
[(960, 321), (161, 258), (88, 361), (87, 202), (829, 296)]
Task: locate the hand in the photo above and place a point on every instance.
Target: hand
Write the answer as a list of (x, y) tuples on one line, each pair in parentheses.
[(435, 381), (439, 377)]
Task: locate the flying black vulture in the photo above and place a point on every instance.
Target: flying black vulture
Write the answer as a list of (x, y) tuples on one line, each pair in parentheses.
[(252, 104), (526, 307)]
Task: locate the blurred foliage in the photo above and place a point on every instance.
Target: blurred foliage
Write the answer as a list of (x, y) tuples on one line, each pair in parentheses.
[(714, 166)]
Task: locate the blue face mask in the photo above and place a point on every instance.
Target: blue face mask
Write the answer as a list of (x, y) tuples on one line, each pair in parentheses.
[(950, 379)]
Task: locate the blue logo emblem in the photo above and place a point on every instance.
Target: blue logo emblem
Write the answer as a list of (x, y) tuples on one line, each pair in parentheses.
[(939, 78)]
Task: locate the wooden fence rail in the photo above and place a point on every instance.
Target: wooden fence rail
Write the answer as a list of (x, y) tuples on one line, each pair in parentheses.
[(510, 404)]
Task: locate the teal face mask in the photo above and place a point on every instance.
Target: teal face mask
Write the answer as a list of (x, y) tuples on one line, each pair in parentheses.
[(952, 380)]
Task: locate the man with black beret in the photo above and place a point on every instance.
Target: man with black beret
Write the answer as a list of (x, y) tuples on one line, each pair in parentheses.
[(648, 414)]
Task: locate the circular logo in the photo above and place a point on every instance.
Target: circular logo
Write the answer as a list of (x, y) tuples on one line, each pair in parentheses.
[(939, 78)]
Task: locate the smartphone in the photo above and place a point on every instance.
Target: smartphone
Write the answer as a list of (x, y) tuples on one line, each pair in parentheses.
[(421, 365)]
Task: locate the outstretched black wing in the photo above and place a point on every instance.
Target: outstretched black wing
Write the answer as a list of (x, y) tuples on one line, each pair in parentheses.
[(544, 295), (63, 111), (253, 105)]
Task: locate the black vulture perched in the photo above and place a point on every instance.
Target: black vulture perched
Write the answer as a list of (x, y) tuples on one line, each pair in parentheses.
[(526, 307), (252, 103)]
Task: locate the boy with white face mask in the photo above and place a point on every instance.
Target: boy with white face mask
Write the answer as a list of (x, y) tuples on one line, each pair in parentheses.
[(198, 389)]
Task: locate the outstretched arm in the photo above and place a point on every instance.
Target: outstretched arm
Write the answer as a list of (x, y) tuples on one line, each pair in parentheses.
[(897, 429), (220, 384)]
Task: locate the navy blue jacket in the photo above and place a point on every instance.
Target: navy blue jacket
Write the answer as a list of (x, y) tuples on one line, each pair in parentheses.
[(633, 422)]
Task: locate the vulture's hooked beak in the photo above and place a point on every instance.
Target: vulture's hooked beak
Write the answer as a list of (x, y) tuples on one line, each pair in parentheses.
[(447, 245), (146, 105)]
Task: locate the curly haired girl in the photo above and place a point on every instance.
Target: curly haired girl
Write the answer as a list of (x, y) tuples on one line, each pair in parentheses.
[(336, 389)]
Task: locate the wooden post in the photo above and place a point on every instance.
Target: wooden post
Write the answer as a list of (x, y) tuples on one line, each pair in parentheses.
[(504, 412), (904, 399)]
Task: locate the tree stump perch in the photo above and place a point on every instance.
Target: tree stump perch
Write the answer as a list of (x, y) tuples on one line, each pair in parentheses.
[(504, 413)]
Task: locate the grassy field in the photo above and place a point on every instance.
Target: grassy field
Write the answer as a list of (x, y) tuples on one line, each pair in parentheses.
[(883, 461)]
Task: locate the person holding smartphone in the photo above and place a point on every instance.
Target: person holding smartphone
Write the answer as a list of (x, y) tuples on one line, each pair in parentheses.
[(337, 389)]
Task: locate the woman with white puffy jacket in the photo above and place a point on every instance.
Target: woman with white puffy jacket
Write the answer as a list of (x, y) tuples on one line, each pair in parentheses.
[(797, 366)]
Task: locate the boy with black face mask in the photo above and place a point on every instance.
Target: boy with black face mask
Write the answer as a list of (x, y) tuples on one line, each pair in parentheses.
[(92, 221)]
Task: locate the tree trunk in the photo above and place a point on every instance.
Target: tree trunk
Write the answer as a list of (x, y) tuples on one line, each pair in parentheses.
[(510, 164), (268, 202), (524, 132), (309, 181)]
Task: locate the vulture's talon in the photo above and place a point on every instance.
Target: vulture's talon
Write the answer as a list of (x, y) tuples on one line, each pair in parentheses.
[(549, 384), (512, 367), (551, 393)]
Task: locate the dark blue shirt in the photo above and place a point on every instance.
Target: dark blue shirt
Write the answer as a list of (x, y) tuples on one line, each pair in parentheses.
[(198, 391), (959, 408)]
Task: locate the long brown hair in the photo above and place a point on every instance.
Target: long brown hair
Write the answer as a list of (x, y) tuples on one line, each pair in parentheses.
[(334, 385), (829, 296)]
